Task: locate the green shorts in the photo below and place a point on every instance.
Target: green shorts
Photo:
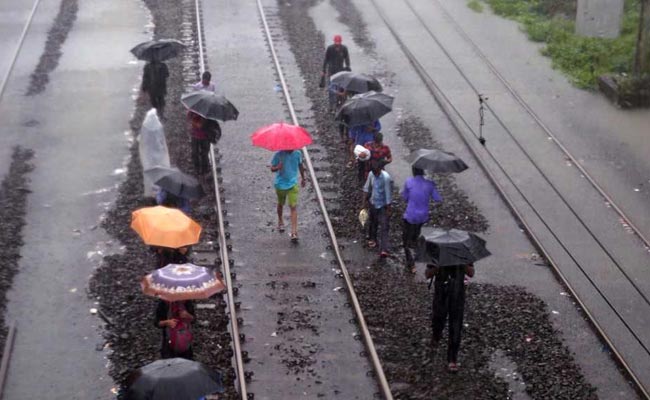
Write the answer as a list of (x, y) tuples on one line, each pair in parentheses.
[(291, 193)]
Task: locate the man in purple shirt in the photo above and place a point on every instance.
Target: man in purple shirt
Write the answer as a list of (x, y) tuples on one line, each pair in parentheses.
[(417, 192)]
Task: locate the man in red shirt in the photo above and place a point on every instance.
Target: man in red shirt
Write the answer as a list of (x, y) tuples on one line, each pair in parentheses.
[(378, 151)]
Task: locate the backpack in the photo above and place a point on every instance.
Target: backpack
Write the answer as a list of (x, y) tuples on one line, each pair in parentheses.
[(179, 337)]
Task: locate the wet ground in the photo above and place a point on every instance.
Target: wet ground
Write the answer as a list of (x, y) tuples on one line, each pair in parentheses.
[(514, 340)]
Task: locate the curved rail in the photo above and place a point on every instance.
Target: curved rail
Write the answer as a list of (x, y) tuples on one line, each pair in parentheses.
[(223, 246), (456, 119), (18, 46), (381, 377)]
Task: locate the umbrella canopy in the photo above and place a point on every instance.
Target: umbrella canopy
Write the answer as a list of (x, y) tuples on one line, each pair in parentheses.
[(178, 282), (366, 108), (447, 248), (281, 136), (160, 50), (180, 184), (173, 379), (156, 172), (356, 82), (436, 161), (165, 227), (210, 105)]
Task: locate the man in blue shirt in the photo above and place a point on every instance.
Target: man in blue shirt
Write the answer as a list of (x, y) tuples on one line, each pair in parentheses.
[(417, 192), (377, 192), (286, 164)]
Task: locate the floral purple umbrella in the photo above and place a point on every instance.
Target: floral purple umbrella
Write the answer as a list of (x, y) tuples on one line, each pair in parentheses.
[(178, 282)]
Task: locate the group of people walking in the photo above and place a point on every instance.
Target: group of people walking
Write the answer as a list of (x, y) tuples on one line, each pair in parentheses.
[(366, 149)]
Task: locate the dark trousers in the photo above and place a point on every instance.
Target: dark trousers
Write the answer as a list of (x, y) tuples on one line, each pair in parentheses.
[(410, 235), (200, 159), (379, 218), (449, 300), (158, 102), (361, 171)]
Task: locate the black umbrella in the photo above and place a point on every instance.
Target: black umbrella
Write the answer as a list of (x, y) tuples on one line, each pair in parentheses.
[(447, 248), (365, 108), (173, 379), (436, 161), (180, 184), (356, 82), (210, 105), (161, 49)]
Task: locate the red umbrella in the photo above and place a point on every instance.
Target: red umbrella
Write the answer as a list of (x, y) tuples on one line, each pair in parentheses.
[(281, 136)]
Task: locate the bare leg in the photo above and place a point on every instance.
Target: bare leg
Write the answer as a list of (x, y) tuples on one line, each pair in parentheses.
[(294, 220), (280, 221)]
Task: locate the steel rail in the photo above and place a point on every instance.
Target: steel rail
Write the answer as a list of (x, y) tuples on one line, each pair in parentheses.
[(381, 377), (454, 114), (524, 104), (223, 246), (530, 158), (19, 45), (6, 356)]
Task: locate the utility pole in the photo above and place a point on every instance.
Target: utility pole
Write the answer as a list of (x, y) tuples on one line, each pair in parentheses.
[(642, 56)]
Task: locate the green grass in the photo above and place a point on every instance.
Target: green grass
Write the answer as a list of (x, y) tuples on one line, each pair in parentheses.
[(475, 5), (582, 59)]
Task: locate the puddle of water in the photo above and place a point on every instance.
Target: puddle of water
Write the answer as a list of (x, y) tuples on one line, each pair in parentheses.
[(506, 369)]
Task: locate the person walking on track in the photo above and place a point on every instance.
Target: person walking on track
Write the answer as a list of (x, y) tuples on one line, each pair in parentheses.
[(205, 82), (377, 198), (417, 192), (287, 164), (154, 83), (337, 59), (449, 301)]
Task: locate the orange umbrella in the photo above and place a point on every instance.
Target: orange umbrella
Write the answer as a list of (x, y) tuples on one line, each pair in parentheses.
[(165, 227)]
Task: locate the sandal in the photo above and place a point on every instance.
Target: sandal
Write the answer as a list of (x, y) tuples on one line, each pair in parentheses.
[(372, 244), (281, 228), (294, 237)]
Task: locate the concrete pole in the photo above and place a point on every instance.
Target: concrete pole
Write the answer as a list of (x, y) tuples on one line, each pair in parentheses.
[(642, 56)]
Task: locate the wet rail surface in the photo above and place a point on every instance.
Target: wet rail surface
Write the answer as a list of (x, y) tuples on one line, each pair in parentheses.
[(591, 244), (237, 309)]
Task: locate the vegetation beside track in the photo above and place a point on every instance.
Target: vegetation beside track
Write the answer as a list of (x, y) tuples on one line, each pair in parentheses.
[(583, 59)]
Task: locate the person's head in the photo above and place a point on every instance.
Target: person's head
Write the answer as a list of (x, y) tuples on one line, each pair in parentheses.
[(379, 137), (206, 77), (417, 171), (376, 167), (338, 39)]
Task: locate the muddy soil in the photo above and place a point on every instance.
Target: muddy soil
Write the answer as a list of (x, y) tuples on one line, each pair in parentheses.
[(505, 319), (13, 206), (130, 334)]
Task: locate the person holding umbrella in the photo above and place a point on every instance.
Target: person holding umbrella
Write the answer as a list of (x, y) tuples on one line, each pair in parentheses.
[(286, 140), (417, 192), (286, 164), (175, 322), (450, 255), (154, 83), (336, 59)]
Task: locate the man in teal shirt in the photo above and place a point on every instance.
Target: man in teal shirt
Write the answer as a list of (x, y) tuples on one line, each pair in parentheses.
[(286, 164)]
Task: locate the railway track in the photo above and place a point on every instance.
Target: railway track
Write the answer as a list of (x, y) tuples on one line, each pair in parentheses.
[(582, 255), (240, 356)]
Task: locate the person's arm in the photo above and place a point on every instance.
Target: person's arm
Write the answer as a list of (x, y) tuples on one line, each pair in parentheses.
[(366, 189), (347, 57), (327, 58), (389, 156), (388, 189), (435, 195), (301, 168), (161, 320), (276, 164), (406, 191)]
